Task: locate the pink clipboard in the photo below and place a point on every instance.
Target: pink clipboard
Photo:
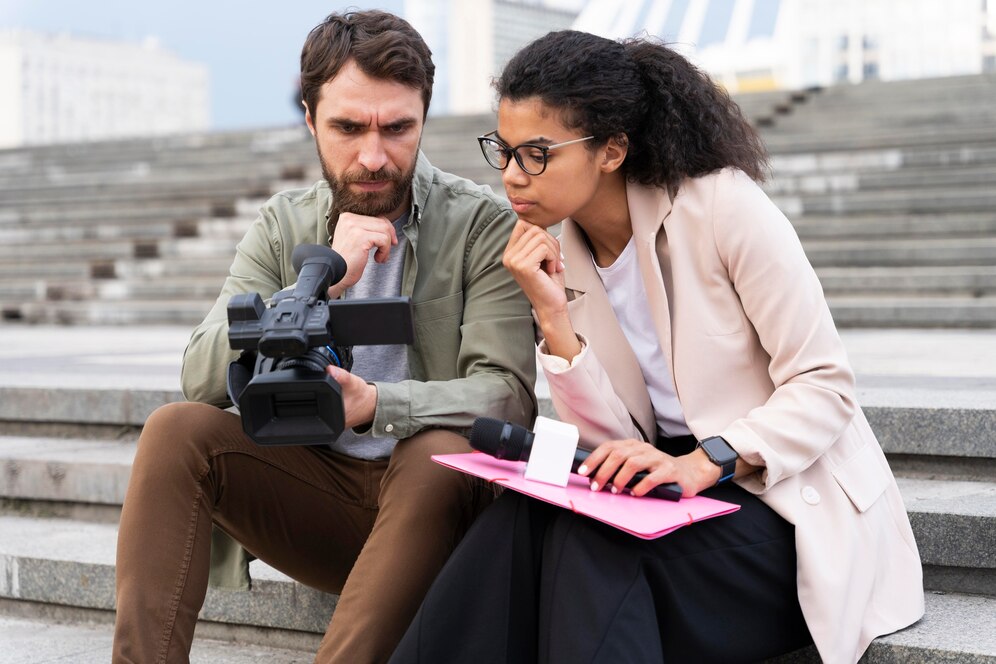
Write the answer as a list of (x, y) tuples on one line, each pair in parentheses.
[(646, 518)]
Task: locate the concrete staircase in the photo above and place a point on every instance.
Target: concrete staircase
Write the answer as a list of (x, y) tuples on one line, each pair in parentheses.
[(69, 422), (892, 188)]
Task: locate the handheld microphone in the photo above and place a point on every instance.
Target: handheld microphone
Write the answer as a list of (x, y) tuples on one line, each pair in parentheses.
[(504, 440)]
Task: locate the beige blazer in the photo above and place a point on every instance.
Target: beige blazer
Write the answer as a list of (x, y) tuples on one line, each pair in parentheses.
[(755, 358)]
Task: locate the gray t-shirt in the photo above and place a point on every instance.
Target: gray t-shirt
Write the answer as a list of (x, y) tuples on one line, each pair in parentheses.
[(388, 364)]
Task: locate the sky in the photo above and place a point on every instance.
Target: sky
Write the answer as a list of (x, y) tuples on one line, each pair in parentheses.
[(252, 50)]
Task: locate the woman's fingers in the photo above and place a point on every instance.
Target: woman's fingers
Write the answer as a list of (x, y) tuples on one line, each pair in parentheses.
[(615, 463)]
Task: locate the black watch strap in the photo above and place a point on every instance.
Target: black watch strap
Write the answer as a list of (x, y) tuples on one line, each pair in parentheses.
[(722, 454)]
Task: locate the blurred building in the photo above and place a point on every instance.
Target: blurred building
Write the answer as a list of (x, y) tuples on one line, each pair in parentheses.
[(766, 44), (471, 40), (56, 88)]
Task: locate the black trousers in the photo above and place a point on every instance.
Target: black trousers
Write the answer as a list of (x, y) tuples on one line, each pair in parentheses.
[(536, 583)]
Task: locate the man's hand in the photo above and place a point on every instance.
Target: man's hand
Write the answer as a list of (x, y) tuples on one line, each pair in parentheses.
[(359, 398), (355, 236)]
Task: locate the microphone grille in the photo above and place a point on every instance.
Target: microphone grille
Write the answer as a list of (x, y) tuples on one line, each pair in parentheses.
[(485, 434)]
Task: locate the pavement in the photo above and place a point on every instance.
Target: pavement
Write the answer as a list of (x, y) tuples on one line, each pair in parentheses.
[(941, 364), (33, 641)]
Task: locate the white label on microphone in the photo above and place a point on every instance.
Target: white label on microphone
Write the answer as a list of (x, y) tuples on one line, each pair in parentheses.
[(552, 453)]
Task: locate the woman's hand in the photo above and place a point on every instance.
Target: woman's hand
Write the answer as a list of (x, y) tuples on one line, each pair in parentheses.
[(615, 462), (532, 256)]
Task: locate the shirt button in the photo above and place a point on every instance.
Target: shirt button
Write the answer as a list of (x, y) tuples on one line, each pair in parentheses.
[(389, 428), (810, 495)]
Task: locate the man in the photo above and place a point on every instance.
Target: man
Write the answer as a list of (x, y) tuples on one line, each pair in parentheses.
[(369, 516)]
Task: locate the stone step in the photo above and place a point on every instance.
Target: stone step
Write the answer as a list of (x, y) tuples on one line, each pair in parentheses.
[(975, 114), (954, 417), (849, 311), (956, 199), (944, 421), (167, 248), (942, 177), (135, 178), (71, 563), (112, 214), (871, 160), (65, 470), (122, 268), (797, 141), (955, 528), (67, 204), (892, 226), (971, 281), (875, 252), (171, 311), (968, 281), (82, 403), (66, 563), (27, 236), (39, 470), (913, 312), (86, 638)]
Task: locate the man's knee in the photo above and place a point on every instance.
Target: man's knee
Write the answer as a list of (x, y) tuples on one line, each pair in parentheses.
[(183, 434), (415, 453), (412, 465)]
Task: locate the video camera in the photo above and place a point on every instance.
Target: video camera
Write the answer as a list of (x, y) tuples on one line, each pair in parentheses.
[(279, 382)]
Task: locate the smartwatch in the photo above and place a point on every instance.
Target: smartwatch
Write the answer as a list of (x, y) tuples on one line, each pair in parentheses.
[(721, 454)]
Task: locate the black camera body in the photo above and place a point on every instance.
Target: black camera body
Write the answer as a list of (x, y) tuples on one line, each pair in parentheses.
[(279, 383)]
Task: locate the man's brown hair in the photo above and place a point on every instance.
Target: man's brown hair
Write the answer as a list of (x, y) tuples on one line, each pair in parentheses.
[(383, 45)]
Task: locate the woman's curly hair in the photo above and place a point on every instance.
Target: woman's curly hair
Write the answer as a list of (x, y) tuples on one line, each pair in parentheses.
[(677, 121)]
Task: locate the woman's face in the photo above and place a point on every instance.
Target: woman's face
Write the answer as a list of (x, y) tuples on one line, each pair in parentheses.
[(572, 172)]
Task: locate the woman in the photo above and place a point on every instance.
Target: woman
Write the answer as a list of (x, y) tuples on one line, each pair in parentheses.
[(677, 306)]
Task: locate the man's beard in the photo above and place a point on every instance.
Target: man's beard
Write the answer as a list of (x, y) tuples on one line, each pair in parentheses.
[(370, 203)]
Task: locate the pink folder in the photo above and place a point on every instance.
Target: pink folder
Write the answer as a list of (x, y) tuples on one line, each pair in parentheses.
[(647, 518)]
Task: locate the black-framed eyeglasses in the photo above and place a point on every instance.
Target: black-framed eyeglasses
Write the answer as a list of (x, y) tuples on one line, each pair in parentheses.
[(498, 155)]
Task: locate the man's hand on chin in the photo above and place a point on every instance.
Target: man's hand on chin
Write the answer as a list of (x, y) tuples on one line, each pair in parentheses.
[(355, 236)]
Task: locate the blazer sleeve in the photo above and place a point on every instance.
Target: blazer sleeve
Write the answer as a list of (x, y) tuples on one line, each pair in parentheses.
[(813, 400), (583, 395)]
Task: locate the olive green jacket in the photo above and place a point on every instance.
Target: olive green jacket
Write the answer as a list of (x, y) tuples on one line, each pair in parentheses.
[(474, 341)]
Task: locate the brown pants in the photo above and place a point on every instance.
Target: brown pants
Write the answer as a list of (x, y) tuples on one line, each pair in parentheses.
[(375, 531)]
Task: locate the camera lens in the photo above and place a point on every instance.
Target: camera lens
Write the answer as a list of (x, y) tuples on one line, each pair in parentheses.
[(316, 359)]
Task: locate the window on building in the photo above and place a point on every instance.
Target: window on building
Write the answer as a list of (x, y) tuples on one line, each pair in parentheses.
[(763, 19), (716, 23)]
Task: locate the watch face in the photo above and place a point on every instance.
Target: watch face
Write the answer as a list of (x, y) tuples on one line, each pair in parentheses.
[(719, 450)]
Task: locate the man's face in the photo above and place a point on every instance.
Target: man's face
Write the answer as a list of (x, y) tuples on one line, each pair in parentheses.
[(367, 131)]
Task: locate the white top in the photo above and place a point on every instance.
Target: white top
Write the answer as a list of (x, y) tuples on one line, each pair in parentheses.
[(624, 286)]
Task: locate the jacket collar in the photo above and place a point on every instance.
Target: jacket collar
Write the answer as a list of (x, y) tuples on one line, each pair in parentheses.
[(649, 208)]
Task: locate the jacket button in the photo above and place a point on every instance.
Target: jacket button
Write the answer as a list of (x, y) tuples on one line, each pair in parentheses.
[(389, 428), (810, 495)]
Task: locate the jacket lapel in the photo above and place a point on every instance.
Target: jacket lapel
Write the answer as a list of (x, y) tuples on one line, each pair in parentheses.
[(593, 317), (649, 207)]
